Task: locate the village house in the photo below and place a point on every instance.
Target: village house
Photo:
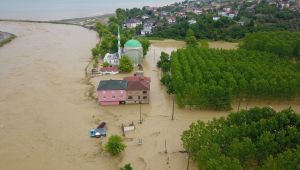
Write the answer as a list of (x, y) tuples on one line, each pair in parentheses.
[(132, 23), (138, 89), (216, 18), (112, 92), (197, 11), (147, 28), (192, 21), (171, 20), (130, 90)]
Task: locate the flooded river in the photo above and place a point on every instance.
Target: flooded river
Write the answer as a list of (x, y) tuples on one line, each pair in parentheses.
[(44, 113)]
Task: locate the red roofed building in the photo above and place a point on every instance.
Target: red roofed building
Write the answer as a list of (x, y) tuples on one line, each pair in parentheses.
[(138, 88), (109, 70)]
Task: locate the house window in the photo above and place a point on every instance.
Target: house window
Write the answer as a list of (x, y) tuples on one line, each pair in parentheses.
[(139, 97), (144, 92), (104, 97), (129, 97), (113, 97), (144, 97)]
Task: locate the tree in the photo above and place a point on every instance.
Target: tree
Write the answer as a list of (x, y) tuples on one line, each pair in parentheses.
[(115, 145), (191, 39), (246, 139), (127, 167), (145, 44), (125, 65), (105, 64)]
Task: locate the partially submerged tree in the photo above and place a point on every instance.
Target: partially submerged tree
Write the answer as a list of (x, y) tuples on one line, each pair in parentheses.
[(115, 145), (127, 167), (259, 138), (125, 64)]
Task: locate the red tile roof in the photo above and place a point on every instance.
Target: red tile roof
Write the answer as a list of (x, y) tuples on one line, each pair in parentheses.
[(138, 78), (109, 69), (137, 85)]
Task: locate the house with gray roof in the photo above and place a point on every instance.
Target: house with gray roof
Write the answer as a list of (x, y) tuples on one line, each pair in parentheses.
[(112, 92)]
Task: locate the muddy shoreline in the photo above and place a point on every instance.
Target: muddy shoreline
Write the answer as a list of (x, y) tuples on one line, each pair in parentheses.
[(85, 22), (6, 37)]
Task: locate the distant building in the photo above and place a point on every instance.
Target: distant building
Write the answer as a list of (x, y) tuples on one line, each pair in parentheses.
[(231, 16), (134, 50), (216, 18), (132, 23), (171, 20), (112, 92), (147, 28), (145, 17), (192, 21), (197, 11)]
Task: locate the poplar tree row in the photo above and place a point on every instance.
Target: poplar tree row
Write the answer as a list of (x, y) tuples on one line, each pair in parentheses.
[(282, 43), (259, 138), (212, 78)]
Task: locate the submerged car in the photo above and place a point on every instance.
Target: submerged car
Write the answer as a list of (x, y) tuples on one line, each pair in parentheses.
[(99, 131)]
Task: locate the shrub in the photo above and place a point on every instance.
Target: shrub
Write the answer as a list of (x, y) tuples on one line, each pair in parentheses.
[(115, 145)]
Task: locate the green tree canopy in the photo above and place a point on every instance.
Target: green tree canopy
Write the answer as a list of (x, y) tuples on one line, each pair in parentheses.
[(125, 65), (259, 138), (115, 145)]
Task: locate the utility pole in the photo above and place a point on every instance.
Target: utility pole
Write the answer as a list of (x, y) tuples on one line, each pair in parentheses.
[(173, 107), (140, 112), (188, 164)]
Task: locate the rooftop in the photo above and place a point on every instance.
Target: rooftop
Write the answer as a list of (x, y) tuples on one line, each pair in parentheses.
[(112, 85), (137, 85), (133, 43)]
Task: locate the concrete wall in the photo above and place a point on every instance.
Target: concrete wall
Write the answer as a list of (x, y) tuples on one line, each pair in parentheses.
[(134, 54), (137, 96), (111, 97)]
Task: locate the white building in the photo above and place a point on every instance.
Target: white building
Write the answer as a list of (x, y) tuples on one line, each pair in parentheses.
[(216, 18), (192, 21), (113, 59)]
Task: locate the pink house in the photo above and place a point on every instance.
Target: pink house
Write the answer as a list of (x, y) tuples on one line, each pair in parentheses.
[(112, 92)]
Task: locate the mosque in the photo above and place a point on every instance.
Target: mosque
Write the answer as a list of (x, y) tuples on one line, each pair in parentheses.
[(132, 48)]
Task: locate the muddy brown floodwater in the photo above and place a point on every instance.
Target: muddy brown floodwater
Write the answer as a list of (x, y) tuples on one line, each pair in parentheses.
[(45, 112)]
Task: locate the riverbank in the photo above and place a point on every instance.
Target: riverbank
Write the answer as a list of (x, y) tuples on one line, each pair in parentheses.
[(5, 38), (86, 22)]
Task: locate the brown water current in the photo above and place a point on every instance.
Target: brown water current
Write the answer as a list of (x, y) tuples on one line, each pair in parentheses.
[(44, 113)]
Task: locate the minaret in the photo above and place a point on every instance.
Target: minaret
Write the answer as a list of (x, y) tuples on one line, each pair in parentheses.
[(119, 43)]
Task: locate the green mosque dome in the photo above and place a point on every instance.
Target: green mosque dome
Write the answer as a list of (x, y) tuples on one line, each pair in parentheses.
[(133, 43)]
